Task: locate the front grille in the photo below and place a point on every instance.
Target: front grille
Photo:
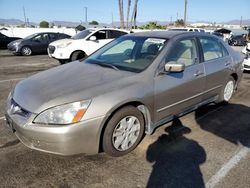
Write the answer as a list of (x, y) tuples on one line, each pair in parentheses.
[(17, 109), (51, 49)]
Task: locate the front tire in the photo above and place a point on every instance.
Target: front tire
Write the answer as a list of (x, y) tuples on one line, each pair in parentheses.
[(123, 132), (26, 51), (77, 55)]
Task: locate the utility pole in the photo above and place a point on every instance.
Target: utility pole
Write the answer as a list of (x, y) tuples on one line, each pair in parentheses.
[(112, 19), (25, 20), (241, 21), (185, 14), (86, 15)]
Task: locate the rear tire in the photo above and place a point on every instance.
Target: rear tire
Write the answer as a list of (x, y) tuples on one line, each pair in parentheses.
[(227, 91), (123, 132), (77, 55)]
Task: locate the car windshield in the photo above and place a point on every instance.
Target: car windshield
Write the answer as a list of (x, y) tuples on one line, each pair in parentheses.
[(82, 34), (30, 36), (129, 53)]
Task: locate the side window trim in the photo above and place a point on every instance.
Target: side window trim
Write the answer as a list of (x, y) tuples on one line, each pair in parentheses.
[(215, 40)]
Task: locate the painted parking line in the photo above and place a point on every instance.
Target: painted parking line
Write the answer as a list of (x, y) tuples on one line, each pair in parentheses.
[(9, 80), (215, 179)]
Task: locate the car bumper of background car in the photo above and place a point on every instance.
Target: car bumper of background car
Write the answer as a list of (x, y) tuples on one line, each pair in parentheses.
[(246, 64), (72, 139), (57, 53), (13, 49)]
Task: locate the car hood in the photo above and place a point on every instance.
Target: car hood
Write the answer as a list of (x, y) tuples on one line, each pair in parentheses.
[(75, 81), (18, 40), (61, 41)]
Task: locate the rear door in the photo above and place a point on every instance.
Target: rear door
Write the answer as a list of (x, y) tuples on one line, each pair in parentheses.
[(53, 37), (177, 92), (217, 63)]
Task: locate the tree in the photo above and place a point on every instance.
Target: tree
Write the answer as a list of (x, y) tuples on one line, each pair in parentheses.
[(152, 25), (93, 23), (44, 24), (179, 22), (128, 11), (121, 13), (134, 14)]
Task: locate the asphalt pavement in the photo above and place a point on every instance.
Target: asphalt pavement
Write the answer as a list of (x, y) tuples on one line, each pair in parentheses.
[(206, 148)]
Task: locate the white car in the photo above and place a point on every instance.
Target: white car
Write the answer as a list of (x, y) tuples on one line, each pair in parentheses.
[(246, 62), (82, 44)]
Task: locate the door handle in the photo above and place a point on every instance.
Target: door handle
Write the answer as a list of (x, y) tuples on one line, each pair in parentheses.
[(227, 63), (198, 73)]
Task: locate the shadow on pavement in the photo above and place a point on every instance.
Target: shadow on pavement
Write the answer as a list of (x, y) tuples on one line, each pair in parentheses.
[(176, 159), (231, 122)]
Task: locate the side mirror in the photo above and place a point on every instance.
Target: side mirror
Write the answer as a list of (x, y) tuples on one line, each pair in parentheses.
[(92, 38), (172, 66)]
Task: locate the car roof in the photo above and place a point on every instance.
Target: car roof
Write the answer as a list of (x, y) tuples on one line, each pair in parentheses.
[(169, 34), (108, 28)]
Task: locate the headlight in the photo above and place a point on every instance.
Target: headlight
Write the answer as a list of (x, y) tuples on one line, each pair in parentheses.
[(16, 43), (63, 114), (63, 45)]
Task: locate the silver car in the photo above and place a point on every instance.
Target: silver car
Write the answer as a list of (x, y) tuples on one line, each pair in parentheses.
[(122, 91)]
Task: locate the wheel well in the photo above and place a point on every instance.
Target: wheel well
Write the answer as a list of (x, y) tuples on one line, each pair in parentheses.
[(133, 103), (26, 46), (77, 51), (235, 76)]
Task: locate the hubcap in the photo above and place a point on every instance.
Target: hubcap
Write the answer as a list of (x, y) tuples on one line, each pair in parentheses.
[(126, 133), (229, 89), (26, 51)]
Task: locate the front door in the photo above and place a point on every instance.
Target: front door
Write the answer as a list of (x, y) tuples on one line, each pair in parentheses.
[(102, 38), (176, 92)]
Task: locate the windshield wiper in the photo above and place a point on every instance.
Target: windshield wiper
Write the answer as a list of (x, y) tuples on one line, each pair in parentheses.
[(106, 65)]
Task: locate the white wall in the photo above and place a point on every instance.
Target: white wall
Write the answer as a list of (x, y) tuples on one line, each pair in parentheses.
[(24, 32)]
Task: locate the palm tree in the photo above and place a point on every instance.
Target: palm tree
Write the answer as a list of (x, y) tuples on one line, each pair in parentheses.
[(121, 13), (133, 17), (128, 11)]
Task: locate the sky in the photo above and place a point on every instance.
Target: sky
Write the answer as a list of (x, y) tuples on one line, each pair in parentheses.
[(102, 10)]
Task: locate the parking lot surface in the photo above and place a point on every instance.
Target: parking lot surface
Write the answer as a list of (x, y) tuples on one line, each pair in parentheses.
[(206, 148)]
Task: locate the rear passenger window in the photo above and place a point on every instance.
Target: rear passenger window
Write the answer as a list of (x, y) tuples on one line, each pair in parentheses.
[(184, 52), (211, 49), (115, 34)]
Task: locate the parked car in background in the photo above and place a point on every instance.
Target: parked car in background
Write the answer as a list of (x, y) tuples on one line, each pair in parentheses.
[(82, 44), (35, 43), (218, 34), (246, 62), (187, 29), (5, 40), (127, 88), (237, 40)]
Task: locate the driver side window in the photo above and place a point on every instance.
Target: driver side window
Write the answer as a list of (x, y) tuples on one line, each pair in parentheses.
[(184, 52)]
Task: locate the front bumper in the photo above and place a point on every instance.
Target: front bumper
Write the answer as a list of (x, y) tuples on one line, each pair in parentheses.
[(73, 139), (58, 53), (14, 49)]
